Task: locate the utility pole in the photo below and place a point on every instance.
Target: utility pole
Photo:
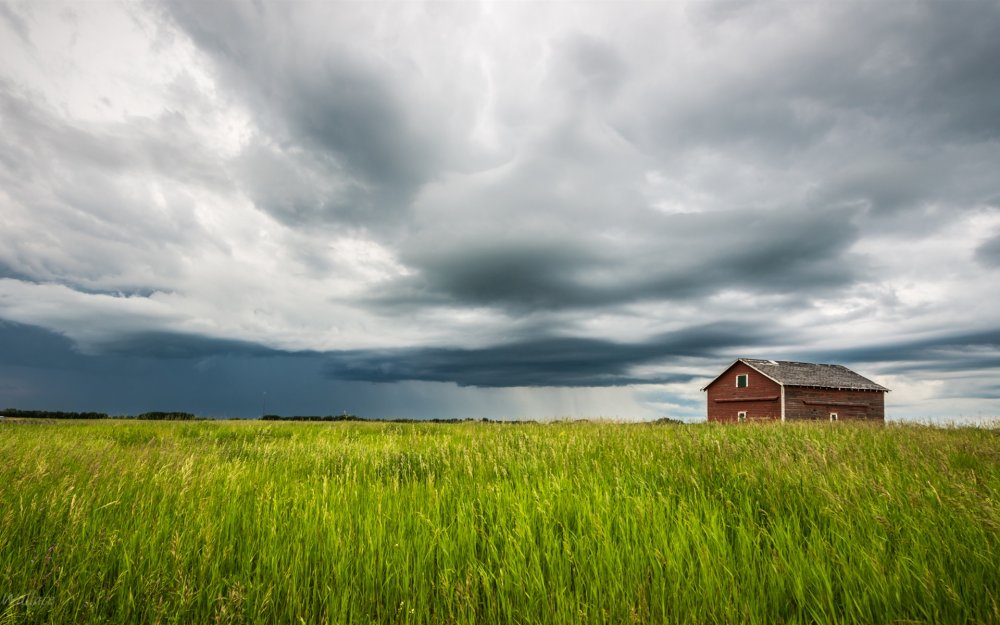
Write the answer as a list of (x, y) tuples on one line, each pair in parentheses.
[(263, 405)]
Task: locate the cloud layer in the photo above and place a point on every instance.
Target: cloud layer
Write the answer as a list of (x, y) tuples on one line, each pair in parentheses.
[(611, 201)]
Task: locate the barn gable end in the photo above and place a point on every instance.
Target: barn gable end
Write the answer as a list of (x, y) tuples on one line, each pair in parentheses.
[(759, 399)]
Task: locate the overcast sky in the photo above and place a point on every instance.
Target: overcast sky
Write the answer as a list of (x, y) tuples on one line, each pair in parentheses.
[(527, 210)]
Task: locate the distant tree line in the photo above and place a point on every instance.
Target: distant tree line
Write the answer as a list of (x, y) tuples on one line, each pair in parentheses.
[(187, 416), (351, 417), (56, 414), (339, 417), (52, 414), (164, 416)]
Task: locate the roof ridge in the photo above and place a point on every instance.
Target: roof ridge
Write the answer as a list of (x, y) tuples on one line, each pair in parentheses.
[(822, 375)]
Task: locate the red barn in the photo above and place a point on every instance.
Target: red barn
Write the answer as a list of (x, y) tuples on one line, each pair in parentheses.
[(777, 390)]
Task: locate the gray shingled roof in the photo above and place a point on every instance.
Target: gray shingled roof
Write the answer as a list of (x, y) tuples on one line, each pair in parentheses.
[(809, 374)]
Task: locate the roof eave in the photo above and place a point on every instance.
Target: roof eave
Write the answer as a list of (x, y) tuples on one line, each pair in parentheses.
[(880, 388), (716, 378)]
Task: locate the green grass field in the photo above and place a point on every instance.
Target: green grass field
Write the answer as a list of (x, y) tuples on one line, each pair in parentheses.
[(115, 522)]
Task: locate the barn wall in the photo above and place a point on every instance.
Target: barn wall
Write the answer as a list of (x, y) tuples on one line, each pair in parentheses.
[(804, 403), (758, 386)]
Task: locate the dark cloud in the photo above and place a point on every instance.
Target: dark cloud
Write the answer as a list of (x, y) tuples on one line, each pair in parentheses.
[(918, 68), (26, 345), (336, 104), (885, 106), (947, 352), (40, 369), (543, 362), (43, 370), (956, 70), (300, 186), (9, 271), (988, 253), (546, 361), (179, 346), (773, 252)]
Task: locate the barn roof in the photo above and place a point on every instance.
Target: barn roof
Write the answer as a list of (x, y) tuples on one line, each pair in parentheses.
[(809, 374)]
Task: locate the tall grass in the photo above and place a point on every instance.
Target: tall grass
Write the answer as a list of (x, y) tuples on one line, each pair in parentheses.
[(117, 522)]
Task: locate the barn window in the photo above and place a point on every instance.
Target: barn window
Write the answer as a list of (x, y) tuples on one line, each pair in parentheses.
[(741, 416), (741, 380), (833, 416)]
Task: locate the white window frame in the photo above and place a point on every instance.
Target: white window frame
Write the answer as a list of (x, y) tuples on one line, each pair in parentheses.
[(833, 416), (741, 416), (746, 379)]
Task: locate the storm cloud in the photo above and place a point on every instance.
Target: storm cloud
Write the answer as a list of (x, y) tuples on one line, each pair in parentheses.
[(545, 362), (513, 208)]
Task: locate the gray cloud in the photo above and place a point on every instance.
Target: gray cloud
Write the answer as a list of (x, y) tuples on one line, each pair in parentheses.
[(924, 348), (16, 21), (767, 251), (988, 253), (301, 187), (892, 63), (42, 369), (336, 105), (545, 362), (172, 345), (949, 352), (164, 145), (75, 182), (592, 68), (493, 195)]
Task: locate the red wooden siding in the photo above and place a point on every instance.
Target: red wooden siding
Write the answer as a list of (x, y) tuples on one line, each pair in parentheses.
[(761, 398), (817, 403)]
